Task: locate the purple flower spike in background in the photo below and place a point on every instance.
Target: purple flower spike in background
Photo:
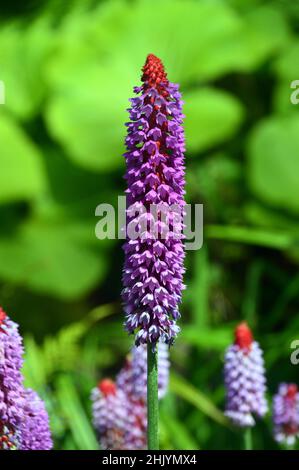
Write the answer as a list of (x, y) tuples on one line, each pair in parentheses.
[(244, 379), (286, 414), (11, 383), (133, 376), (153, 270), (110, 415), (119, 420), (139, 370), (35, 433), (24, 423)]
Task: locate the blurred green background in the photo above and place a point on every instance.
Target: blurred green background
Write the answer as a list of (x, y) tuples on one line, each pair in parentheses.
[(69, 68)]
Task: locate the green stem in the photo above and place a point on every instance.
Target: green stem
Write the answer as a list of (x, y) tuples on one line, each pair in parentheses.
[(247, 439), (152, 398)]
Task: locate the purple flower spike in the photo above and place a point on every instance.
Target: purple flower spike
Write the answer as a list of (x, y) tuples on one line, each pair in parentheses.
[(11, 383), (153, 269), (35, 431), (120, 421), (245, 381), (109, 409), (133, 376), (286, 414), (119, 409)]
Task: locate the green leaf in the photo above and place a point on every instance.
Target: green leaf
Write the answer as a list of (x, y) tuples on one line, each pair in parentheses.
[(212, 116), (22, 173), (177, 433), (279, 240), (23, 53), (207, 338), (287, 65), (200, 289), (265, 33), (188, 392), (89, 92), (273, 154), (287, 70), (51, 259), (73, 411), (34, 367), (88, 117)]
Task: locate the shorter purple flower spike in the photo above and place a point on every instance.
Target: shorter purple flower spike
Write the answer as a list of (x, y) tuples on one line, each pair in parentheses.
[(11, 383), (23, 419), (286, 414), (119, 420), (109, 409), (35, 430), (245, 382), (133, 377), (119, 409)]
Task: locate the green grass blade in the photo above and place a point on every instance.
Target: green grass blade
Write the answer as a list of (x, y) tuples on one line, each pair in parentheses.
[(188, 392)]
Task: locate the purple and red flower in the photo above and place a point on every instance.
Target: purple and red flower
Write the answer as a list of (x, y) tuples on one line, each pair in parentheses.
[(153, 269), (11, 383), (109, 410), (245, 382), (120, 423), (23, 418), (286, 414), (119, 408)]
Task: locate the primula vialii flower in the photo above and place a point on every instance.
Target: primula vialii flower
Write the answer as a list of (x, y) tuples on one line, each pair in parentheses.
[(119, 409), (23, 418), (244, 379), (11, 383), (153, 269), (286, 414), (109, 414), (120, 425), (35, 431)]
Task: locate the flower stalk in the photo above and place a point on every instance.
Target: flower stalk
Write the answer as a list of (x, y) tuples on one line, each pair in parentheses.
[(248, 439), (152, 398)]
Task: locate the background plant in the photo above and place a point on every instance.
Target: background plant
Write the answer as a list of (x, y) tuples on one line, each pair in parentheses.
[(68, 69)]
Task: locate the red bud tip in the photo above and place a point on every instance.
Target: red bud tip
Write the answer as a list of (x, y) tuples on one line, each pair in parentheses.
[(292, 391), (153, 72), (243, 336), (107, 387), (2, 315)]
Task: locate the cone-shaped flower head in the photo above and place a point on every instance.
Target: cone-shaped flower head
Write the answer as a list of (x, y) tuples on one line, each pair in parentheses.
[(120, 422), (119, 409), (286, 414), (11, 382), (35, 430), (245, 381), (109, 410), (154, 252), (133, 376)]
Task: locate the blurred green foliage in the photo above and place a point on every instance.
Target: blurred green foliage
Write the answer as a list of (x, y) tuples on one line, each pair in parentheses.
[(69, 69)]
